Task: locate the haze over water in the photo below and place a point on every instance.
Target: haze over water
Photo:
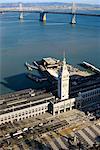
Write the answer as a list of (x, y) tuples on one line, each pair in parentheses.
[(31, 40)]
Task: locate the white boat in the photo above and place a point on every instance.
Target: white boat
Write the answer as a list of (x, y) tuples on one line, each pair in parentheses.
[(30, 67)]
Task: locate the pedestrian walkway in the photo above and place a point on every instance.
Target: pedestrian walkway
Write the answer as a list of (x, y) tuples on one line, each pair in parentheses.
[(86, 136)]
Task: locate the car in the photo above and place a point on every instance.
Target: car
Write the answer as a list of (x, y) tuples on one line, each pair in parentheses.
[(20, 137), (97, 115), (25, 129), (40, 124), (91, 117), (30, 128)]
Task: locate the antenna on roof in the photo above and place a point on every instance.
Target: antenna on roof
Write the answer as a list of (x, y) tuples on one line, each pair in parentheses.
[(64, 58)]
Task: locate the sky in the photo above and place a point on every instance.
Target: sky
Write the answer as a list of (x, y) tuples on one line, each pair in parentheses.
[(77, 1)]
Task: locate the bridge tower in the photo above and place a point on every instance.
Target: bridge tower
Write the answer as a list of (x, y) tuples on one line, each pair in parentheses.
[(73, 19), (42, 16), (21, 16)]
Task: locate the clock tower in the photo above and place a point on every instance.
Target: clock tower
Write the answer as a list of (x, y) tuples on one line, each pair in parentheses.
[(63, 81)]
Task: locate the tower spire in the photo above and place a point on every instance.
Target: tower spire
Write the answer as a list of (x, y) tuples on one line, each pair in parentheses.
[(64, 59), (63, 81)]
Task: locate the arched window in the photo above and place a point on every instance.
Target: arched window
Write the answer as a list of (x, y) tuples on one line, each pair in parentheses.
[(8, 117), (12, 116), (29, 111), (1, 119), (19, 114), (23, 113), (16, 115), (26, 112)]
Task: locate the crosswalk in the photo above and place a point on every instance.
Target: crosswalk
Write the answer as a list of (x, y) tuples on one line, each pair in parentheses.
[(86, 136), (89, 134)]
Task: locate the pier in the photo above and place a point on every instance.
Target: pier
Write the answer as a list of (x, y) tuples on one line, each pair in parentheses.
[(91, 67)]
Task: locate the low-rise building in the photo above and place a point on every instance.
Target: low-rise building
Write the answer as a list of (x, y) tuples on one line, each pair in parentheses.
[(23, 104)]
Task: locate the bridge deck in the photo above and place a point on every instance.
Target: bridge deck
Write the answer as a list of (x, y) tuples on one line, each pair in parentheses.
[(49, 12)]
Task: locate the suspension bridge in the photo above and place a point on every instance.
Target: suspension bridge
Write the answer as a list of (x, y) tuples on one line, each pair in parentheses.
[(44, 10)]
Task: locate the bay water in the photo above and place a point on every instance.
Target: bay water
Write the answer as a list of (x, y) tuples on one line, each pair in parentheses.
[(30, 40)]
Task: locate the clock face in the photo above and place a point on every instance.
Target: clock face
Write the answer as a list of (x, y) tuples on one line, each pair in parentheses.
[(64, 84), (65, 76)]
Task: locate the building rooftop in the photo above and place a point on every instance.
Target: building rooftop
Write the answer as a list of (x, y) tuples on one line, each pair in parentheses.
[(23, 99), (50, 60)]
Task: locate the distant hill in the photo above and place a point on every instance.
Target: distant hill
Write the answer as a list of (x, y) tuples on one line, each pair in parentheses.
[(47, 4)]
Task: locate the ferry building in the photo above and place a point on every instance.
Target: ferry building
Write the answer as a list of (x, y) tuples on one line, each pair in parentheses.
[(29, 103)]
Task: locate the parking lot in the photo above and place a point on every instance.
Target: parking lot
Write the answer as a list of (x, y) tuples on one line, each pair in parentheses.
[(45, 131)]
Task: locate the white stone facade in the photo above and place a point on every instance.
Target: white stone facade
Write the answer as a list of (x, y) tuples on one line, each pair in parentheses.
[(24, 113), (63, 82), (63, 106), (83, 99)]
